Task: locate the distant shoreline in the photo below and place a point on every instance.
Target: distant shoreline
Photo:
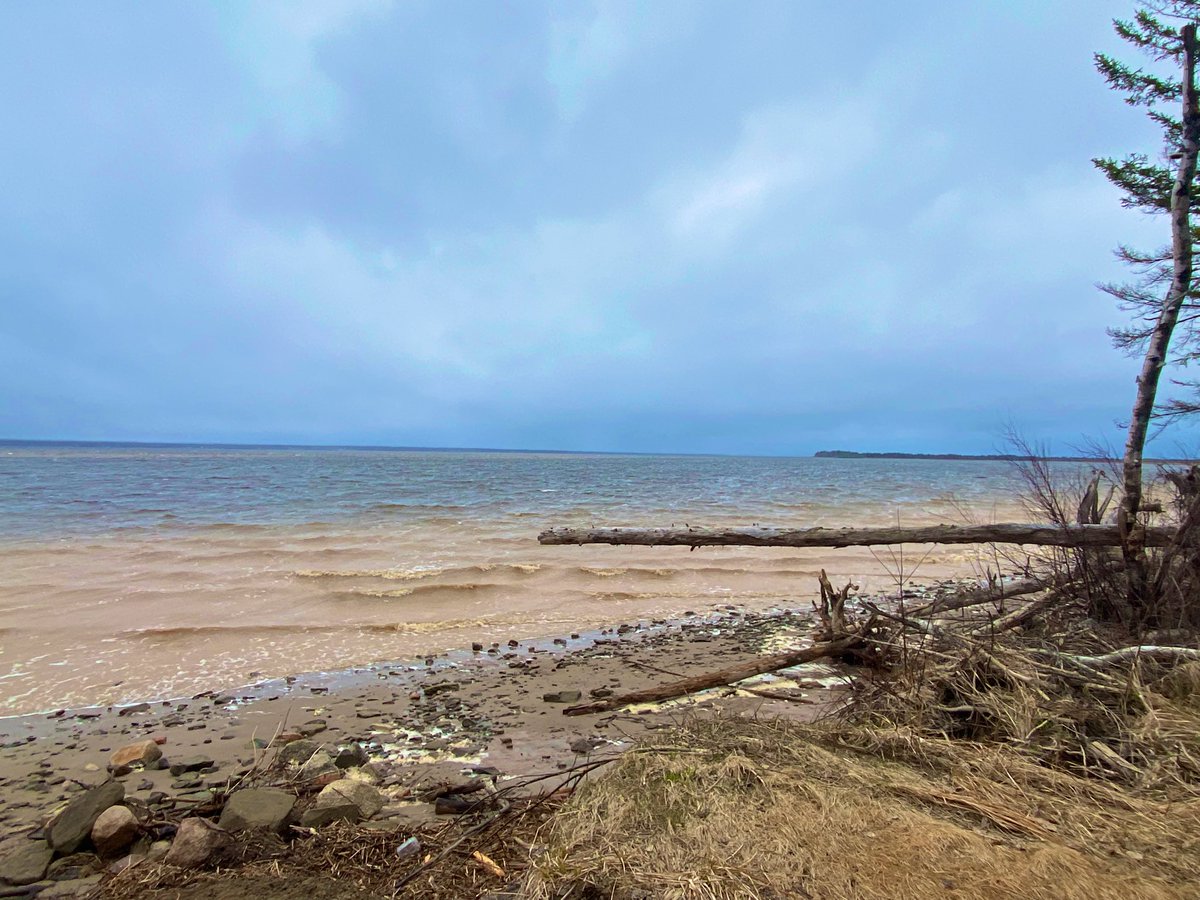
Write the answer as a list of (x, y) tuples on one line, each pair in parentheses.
[(967, 457)]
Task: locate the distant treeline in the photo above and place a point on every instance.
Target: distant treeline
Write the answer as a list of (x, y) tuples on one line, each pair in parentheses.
[(998, 457)]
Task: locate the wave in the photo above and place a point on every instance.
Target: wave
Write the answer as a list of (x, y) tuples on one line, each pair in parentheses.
[(183, 632), (417, 590), (420, 572), (627, 570)]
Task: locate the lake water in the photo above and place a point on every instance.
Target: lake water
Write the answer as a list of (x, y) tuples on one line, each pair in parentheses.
[(129, 572)]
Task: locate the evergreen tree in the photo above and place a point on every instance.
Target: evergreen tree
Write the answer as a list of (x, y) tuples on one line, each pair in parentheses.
[(1146, 183), (1163, 299)]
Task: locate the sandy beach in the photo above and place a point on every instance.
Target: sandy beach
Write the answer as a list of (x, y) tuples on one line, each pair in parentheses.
[(419, 724)]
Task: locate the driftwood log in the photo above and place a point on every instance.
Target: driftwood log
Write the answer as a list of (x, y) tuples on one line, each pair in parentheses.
[(1042, 535), (731, 675)]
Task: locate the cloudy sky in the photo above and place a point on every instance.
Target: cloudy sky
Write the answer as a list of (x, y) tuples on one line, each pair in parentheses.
[(766, 227)]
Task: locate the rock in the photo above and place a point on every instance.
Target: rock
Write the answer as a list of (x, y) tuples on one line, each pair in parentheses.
[(365, 775), (343, 801), (158, 850), (453, 805), (140, 753), (73, 825), (24, 861), (125, 862), (562, 696), (320, 765), (297, 753), (114, 830), (351, 757), (84, 887), (77, 865), (585, 745), (601, 693), (192, 764), (195, 843), (258, 809)]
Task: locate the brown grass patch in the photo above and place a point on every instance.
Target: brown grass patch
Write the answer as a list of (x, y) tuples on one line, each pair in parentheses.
[(770, 810)]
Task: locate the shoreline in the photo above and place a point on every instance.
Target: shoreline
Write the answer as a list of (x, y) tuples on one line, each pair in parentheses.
[(418, 723)]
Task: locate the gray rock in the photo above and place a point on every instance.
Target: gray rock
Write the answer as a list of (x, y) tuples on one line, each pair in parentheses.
[(343, 801), (84, 887), (258, 809), (192, 764), (24, 861), (114, 830), (562, 696), (73, 867), (319, 765), (297, 753), (351, 757), (73, 825), (195, 843)]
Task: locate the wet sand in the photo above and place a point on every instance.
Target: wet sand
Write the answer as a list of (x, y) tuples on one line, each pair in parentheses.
[(420, 724)]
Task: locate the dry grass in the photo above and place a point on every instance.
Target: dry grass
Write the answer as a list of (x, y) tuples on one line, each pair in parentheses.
[(769, 809)]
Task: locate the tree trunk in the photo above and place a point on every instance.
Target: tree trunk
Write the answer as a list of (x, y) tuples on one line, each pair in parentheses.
[(718, 678), (1133, 544), (1043, 535)]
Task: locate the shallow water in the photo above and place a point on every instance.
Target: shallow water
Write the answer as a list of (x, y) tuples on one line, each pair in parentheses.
[(129, 572)]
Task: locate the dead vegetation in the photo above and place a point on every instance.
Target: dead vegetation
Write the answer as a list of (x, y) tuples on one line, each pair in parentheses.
[(1033, 737)]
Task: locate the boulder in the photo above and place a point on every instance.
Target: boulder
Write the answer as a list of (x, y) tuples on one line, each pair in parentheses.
[(343, 801), (114, 830), (73, 825), (24, 861), (141, 753), (258, 809), (195, 843)]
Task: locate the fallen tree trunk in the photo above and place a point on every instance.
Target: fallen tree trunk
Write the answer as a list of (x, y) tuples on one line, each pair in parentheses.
[(1165, 655), (718, 678), (1042, 535), (995, 594)]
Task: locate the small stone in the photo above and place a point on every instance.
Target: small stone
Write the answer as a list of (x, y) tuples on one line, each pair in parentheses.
[(351, 756), (258, 809), (24, 861), (452, 805), (562, 696), (191, 764), (73, 825), (114, 830), (195, 843)]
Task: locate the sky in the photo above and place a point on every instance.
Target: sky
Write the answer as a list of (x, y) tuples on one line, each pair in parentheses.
[(759, 227)]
